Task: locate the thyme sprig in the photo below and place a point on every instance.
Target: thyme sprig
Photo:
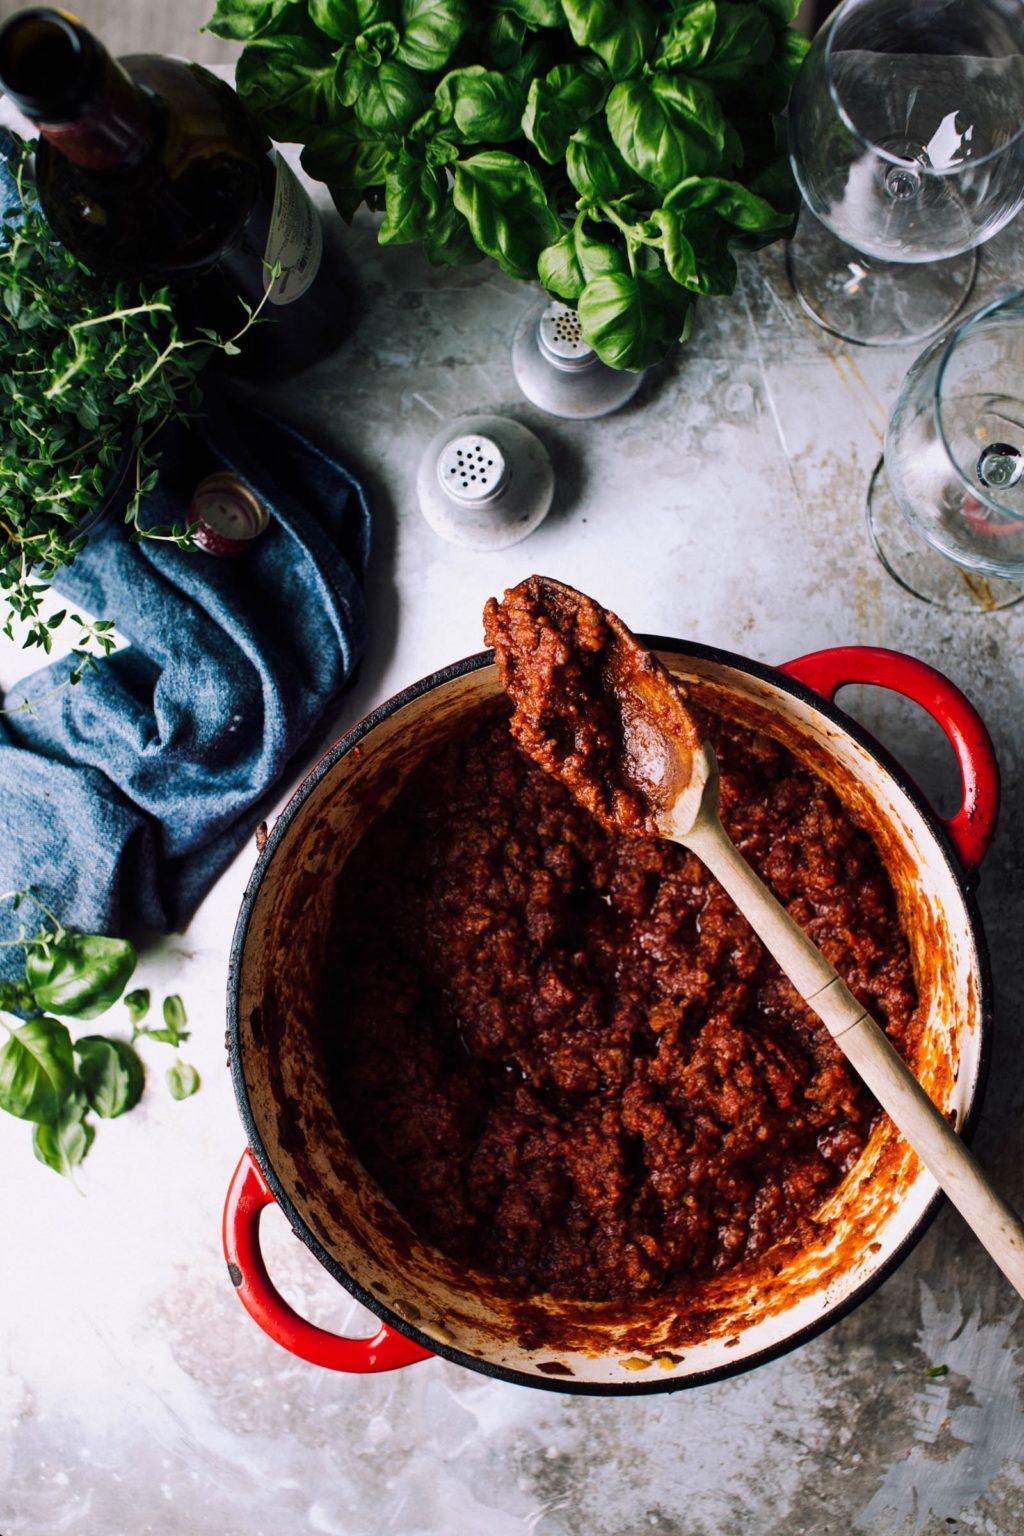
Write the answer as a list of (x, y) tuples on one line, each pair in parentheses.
[(91, 370)]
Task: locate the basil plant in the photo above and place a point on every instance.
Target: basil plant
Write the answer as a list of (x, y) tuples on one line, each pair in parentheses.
[(614, 149)]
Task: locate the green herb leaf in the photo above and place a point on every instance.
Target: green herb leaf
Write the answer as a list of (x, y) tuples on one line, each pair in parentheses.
[(559, 270), (111, 1074), (390, 98), (687, 38), (175, 1019), (667, 127), (288, 82), (505, 34), (239, 20), (345, 20), (416, 196), (351, 154), (734, 203), (558, 104), (430, 31), (937, 1370), (37, 1070), (621, 32), (484, 105), (137, 1003), (81, 975), (630, 318), (595, 167), (680, 258), (538, 13), (449, 240), (182, 1080), (743, 40), (63, 1145), (506, 207)]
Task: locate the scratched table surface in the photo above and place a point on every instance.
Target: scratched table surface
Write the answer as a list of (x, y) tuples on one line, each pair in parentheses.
[(725, 505)]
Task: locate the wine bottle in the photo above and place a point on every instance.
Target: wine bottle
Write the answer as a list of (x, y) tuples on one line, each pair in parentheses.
[(150, 168)]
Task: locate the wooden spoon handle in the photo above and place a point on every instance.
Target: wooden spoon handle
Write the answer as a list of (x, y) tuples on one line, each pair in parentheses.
[(869, 1051)]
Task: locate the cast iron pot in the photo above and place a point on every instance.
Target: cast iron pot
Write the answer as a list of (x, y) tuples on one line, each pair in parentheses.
[(297, 1153)]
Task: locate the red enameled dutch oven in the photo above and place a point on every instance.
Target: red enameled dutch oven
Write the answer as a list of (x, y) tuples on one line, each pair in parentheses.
[(297, 1153)]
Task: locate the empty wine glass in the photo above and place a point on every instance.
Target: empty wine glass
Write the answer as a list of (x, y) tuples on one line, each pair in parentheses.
[(906, 130), (947, 513)]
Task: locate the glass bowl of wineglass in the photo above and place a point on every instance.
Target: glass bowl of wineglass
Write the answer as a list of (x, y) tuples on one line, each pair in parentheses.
[(906, 131), (946, 513)]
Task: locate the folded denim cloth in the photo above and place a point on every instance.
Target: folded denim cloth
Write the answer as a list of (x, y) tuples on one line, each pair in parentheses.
[(123, 798)]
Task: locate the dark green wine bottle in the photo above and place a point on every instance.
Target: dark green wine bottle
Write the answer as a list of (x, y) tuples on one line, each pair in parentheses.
[(150, 168)]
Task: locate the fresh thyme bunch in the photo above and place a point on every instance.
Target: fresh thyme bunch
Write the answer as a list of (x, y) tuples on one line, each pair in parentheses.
[(90, 371)]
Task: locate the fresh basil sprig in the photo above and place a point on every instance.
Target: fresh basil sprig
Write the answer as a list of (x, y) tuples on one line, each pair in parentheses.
[(614, 149), (56, 1082)]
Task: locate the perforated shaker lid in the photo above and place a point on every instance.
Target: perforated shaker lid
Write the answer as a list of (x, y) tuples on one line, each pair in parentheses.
[(484, 482)]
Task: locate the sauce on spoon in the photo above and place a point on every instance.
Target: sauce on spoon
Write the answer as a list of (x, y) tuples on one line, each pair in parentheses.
[(593, 707)]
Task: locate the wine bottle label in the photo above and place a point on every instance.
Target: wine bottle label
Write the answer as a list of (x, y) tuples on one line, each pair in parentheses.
[(296, 238)]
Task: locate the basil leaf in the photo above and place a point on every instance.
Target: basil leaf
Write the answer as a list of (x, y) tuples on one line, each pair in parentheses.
[(175, 1017), (449, 240), (599, 256), (687, 38), (81, 975), (240, 20), (538, 13), (349, 153), (430, 30), (182, 1080), (595, 167), (137, 1003), (377, 43), (621, 32), (484, 104), (716, 266), (37, 1070), (782, 10), (734, 203), (505, 34), (666, 127), (415, 197), (506, 207), (344, 20), (111, 1074), (680, 258), (559, 270), (288, 83), (743, 41), (556, 106), (64, 1144), (567, 266), (630, 318), (784, 66), (390, 98)]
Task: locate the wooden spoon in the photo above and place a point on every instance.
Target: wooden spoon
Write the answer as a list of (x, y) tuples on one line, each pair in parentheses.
[(597, 710)]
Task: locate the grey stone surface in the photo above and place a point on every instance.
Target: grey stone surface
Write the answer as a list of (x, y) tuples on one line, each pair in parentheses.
[(724, 504)]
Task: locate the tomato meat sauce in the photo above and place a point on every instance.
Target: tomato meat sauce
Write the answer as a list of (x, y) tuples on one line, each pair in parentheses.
[(562, 1052)]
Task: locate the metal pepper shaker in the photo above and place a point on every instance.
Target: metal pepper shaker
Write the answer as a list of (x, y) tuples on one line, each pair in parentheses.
[(484, 482), (558, 370)]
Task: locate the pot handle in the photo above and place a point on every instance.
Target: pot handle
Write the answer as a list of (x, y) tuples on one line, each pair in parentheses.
[(972, 828), (248, 1195)]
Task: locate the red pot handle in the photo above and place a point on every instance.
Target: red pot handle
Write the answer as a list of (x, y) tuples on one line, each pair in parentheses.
[(248, 1195), (972, 828)]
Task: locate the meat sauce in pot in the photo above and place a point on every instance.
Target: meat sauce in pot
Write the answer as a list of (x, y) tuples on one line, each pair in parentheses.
[(563, 1053)]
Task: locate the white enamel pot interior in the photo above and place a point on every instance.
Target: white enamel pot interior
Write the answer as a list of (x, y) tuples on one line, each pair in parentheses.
[(676, 1339)]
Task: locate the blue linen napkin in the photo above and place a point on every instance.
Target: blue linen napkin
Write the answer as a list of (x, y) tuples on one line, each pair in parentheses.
[(123, 798)]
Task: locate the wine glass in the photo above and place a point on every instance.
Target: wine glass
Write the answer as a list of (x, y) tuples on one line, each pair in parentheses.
[(947, 515), (906, 131)]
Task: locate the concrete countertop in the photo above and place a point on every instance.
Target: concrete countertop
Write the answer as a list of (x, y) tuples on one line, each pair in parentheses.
[(725, 505)]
